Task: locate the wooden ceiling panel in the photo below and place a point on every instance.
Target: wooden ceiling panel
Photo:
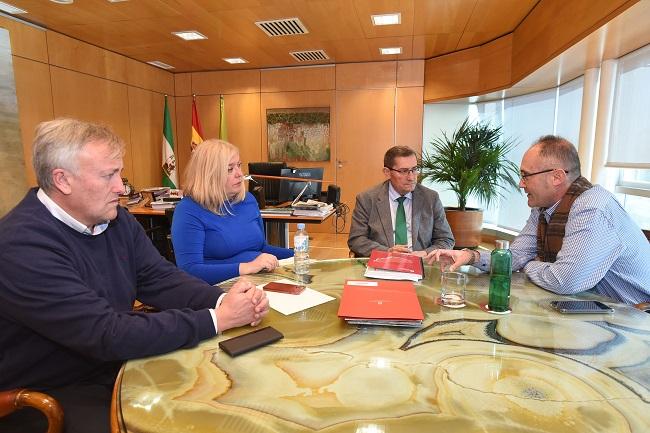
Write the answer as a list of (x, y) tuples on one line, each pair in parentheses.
[(442, 16), (406, 42), (92, 11), (142, 30), (491, 19), (427, 46), (366, 8)]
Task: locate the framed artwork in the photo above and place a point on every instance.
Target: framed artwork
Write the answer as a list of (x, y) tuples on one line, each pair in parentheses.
[(298, 134)]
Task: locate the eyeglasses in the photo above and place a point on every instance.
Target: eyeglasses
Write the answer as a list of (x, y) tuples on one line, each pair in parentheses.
[(523, 176), (405, 171)]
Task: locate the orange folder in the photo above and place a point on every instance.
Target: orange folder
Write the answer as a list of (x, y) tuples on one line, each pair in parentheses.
[(381, 303)]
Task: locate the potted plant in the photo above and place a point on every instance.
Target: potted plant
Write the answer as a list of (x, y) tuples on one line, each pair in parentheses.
[(472, 161)]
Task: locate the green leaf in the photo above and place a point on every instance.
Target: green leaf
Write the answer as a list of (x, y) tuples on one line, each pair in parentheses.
[(472, 161)]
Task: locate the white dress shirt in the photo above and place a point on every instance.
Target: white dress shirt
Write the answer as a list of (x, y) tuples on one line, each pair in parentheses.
[(408, 209)]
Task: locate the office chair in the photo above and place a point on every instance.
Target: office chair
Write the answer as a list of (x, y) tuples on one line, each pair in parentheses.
[(15, 399)]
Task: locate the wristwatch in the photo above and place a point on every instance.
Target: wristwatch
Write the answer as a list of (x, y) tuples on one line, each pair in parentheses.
[(476, 256)]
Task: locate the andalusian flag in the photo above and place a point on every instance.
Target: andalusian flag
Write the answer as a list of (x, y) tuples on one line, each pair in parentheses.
[(223, 130), (197, 132), (169, 172)]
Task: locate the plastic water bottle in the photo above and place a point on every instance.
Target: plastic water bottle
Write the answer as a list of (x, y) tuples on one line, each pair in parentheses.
[(301, 251), (500, 276)]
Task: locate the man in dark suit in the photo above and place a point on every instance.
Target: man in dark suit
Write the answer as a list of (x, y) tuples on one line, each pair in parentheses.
[(399, 214)]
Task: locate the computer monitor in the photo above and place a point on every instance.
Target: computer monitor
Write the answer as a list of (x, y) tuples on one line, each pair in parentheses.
[(289, 189), (271, 186)]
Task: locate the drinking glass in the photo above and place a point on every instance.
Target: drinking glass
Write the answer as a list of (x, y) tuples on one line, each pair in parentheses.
[(452, 289)]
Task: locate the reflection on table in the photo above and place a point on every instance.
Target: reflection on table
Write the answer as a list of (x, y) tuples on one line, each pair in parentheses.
[(464, 370)]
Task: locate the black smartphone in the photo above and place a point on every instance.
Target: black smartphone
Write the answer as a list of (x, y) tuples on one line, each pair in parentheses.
[(251, 340), (577, 307)]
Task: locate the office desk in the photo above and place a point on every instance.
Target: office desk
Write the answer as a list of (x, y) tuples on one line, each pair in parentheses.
[(463, 371), (277, 226)]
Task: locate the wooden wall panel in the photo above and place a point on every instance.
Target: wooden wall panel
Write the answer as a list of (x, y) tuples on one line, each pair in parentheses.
[(323, 98), (149, 77), (408, 117), (553, 26), (183, 130), (93, 99), (377, 75), (242, 119), (297, 79), (26, 41), (146, 125), (365, 124), (495, 67), (79, 56), (182, 84), (244, 125), (452, 75), (226, 82), (410, 73), (34, 96)]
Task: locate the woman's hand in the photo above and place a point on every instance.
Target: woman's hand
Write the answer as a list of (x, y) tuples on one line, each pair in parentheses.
[(264, 262)]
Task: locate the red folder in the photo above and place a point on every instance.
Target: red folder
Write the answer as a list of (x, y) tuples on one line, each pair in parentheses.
[(380, 303), (400, 266)]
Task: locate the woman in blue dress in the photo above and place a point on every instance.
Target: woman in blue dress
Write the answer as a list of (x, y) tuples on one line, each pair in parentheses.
[(217, 229)]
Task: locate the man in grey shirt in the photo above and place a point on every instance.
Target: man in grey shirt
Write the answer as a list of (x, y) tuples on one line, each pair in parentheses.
[(399, 214)]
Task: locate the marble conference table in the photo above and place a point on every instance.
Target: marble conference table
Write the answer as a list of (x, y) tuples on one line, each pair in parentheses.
[(465, 370)]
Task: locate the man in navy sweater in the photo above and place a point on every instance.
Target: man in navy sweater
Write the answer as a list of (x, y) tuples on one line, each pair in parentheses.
[(72, 262)]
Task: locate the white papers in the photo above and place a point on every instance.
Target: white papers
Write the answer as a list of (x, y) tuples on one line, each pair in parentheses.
[(362, 283), (390, 275), (289, 304)]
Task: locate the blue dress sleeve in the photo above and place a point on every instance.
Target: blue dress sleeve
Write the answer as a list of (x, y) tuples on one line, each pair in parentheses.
[(188, 238)]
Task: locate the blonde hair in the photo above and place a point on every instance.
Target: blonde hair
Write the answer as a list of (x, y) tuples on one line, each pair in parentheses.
[(207, 173), (57, 144)]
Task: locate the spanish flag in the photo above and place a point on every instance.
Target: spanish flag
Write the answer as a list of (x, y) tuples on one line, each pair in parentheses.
[(197, 132)]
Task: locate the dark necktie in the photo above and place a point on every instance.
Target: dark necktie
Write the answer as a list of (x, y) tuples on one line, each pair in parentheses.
[(400, 223)]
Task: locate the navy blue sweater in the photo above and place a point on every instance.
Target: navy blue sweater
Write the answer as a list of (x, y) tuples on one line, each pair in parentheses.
[(66, 300)]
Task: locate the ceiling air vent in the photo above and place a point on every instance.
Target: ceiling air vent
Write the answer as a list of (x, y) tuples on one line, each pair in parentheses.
[(282, 27), (309, 56)]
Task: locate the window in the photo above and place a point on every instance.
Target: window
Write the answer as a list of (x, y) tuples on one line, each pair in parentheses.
[(629, 139), (524, 119)]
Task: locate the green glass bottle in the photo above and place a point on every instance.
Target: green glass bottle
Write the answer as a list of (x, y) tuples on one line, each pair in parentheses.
[(500, 276)]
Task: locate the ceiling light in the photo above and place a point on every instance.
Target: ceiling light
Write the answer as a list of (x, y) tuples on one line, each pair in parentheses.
[(160, 64), (391, 50), (386, 19), (11, 9), (63, 2), (234, 60), (190, 35)]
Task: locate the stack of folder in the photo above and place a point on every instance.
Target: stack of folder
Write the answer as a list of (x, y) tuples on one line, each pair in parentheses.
[(394, 266), (385, 303)]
